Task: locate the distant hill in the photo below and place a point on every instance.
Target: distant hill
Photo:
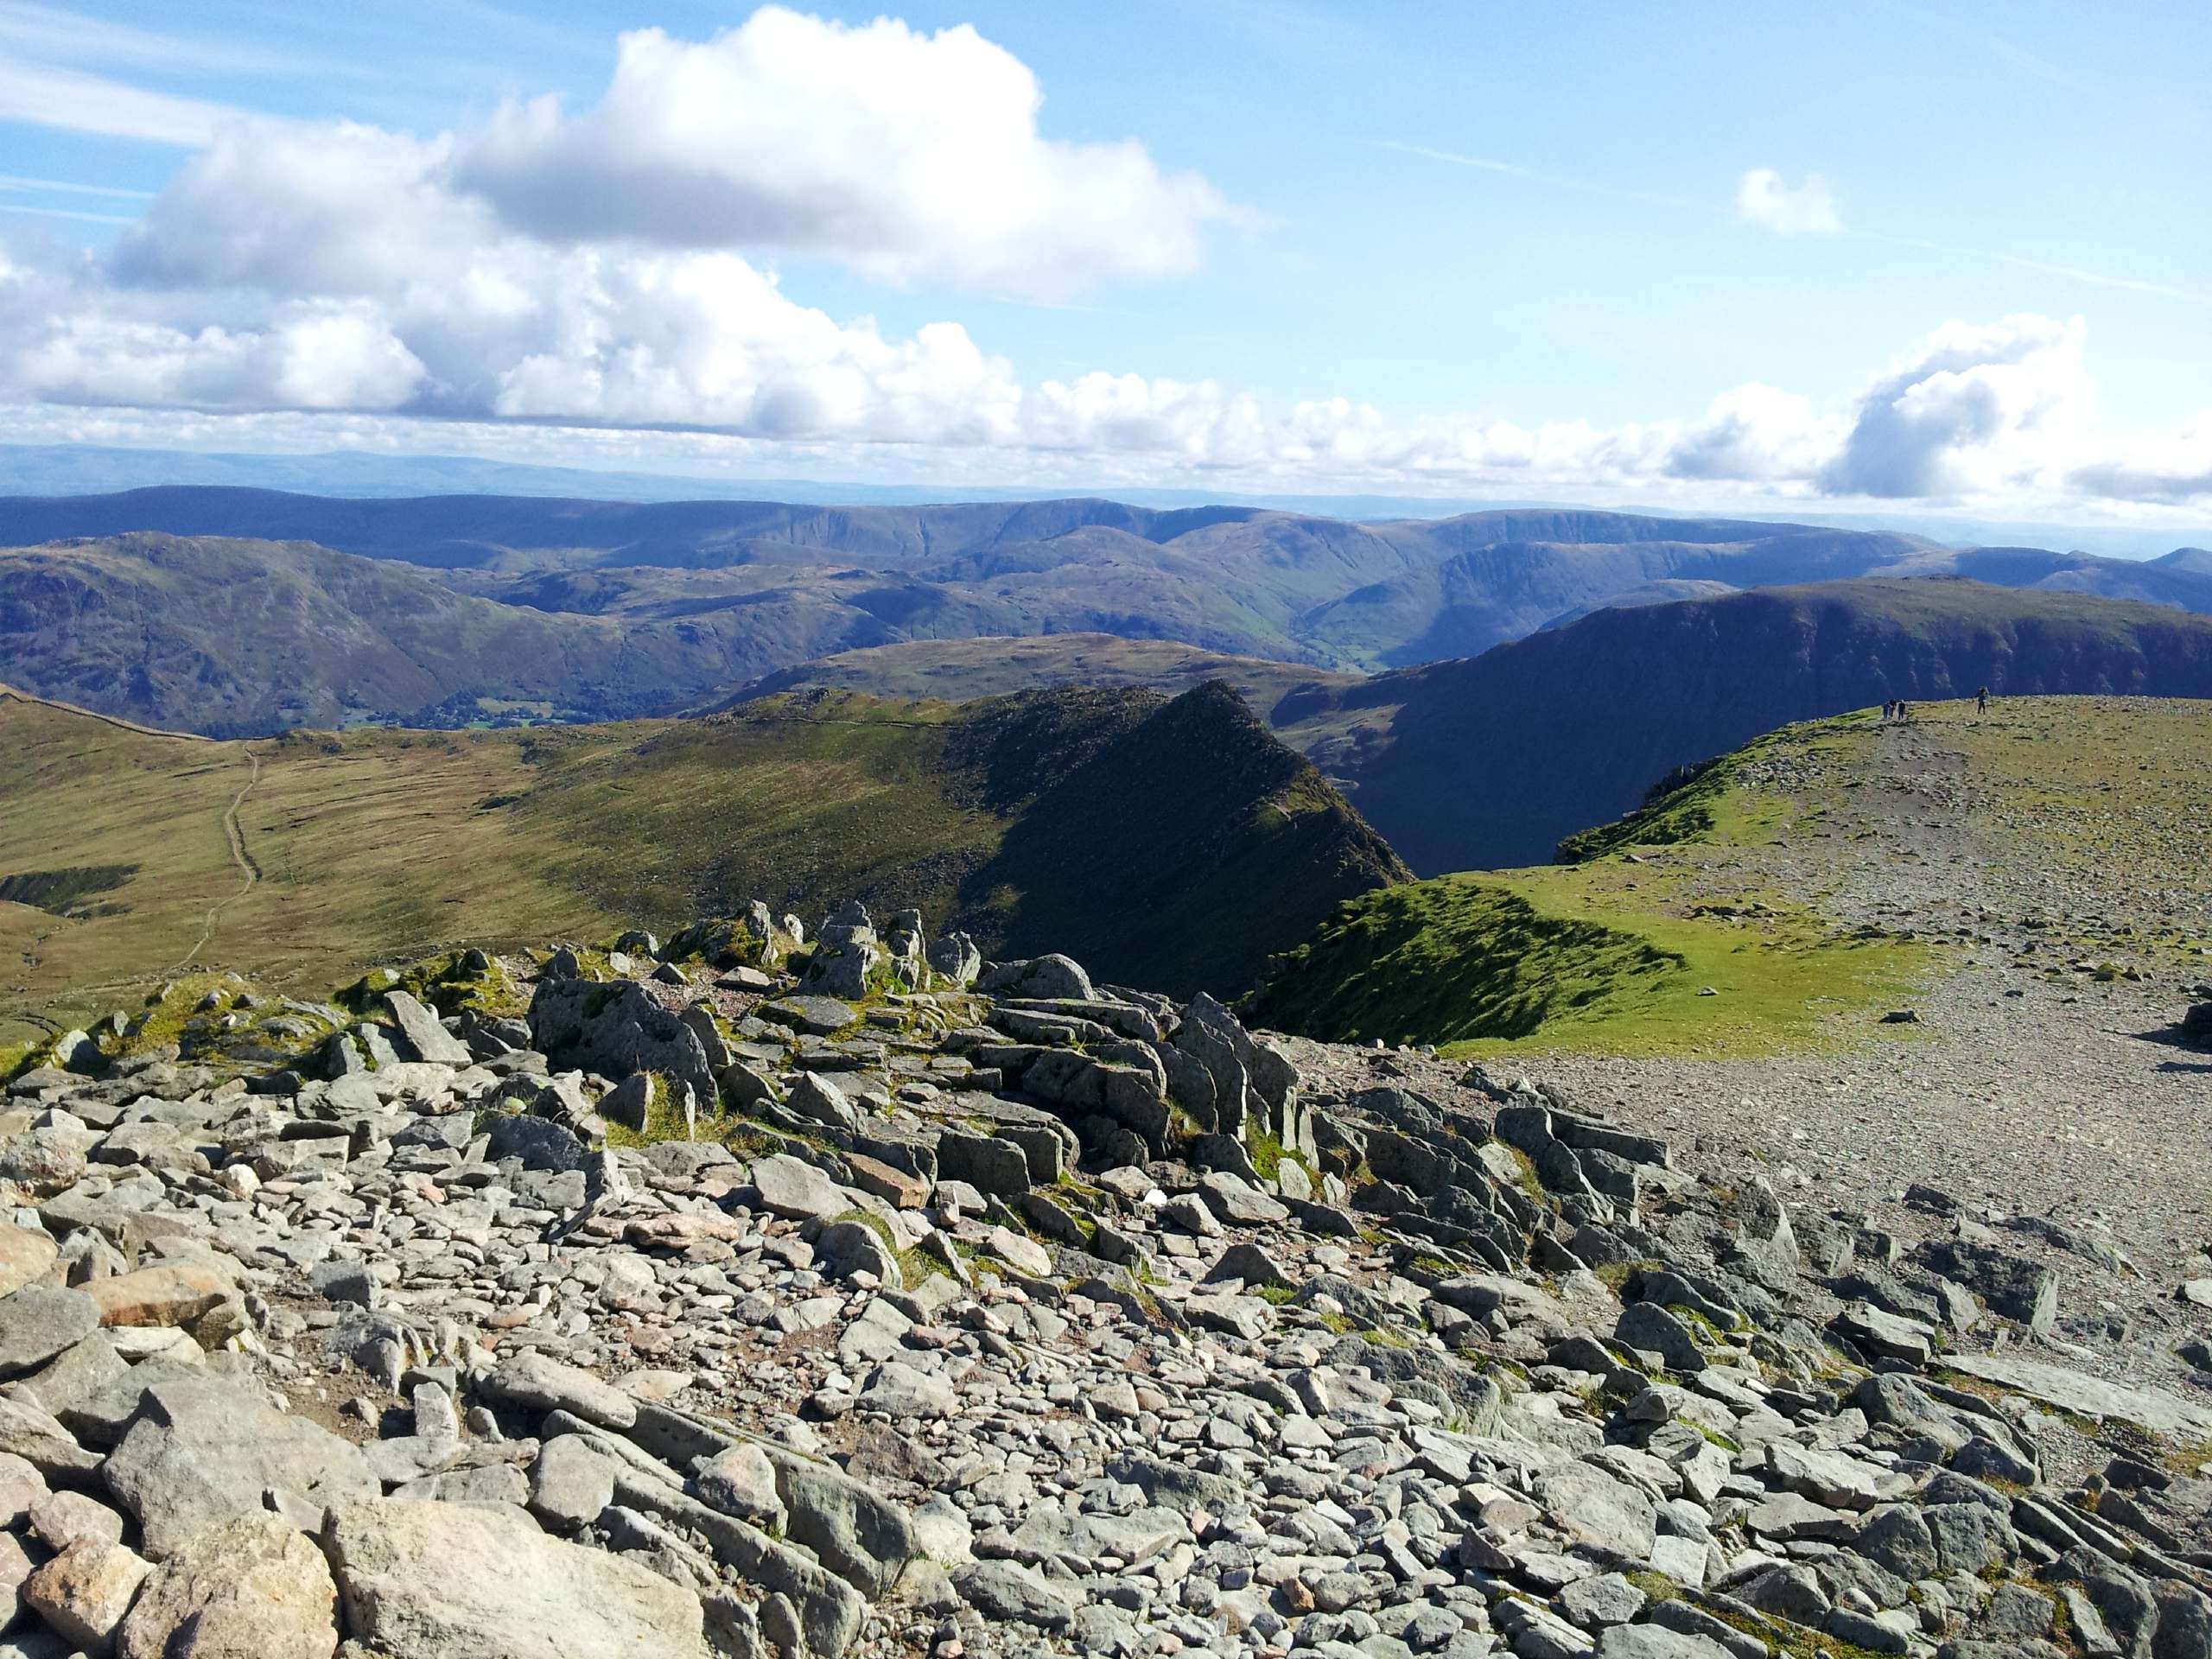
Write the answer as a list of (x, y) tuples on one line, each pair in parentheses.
[(1489, 761), (237, 638), (1170, 843), (958, 669)]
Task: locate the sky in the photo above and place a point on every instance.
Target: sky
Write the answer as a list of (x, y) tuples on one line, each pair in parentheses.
[(1949, 257)]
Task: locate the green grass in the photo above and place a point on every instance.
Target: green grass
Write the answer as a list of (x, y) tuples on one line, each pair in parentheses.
[(1483, 963), (1675, 932)]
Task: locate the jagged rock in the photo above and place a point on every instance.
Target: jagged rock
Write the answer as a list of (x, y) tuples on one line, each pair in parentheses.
[(820, 1101), (955, 957), (426, 1038), (2011, 1285), (616, 1030), (83, 1592)]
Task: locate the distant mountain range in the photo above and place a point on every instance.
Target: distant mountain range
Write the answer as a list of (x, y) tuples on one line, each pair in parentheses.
[(449, 608), (94, 469)]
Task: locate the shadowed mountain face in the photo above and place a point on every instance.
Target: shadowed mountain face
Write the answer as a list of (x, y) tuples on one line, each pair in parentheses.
[(1491, 761)]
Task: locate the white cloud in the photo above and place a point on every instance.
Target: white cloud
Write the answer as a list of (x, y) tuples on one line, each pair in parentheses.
[(1972, 409), (1763, 200), (908, 154), (49, 95)]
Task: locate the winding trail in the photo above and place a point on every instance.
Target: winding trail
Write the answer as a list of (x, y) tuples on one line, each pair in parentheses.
[(249, 872), (233, 830)]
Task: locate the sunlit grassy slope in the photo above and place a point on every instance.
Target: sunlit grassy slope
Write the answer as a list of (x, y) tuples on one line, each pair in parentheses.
[(1708, 921), (1696, 926), (1038, 822)]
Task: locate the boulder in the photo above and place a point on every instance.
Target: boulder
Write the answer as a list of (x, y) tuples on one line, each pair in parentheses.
[(36, 1324), (83, 1592), (796, 1190), (2011, 1285), (204, 1451), (855, 1531), (27, 1255), (443, 1581), (173, 1293), (1053, 977), (616, 1030), (252, 1588), (537, 1382)]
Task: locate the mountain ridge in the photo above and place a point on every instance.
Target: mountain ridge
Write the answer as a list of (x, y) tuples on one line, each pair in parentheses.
[(1489, 761)]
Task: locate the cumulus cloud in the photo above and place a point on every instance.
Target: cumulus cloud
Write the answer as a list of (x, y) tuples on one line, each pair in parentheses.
[(1763, 200), (2171, 467), (907, 154), (1973, 407), (1754, 433)]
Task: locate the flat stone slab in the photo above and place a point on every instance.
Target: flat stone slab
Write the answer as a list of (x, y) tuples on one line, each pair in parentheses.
[(2075, 1391)]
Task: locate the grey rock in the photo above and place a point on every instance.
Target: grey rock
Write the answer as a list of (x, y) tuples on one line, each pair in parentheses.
[(820, 1101), (1005, 1589), (570, 1482), (252, 1585), (429, 1039), (741, 1481), (37, 1322), (861, 1535), (796, 1190), (1040, 977), (440, 1581), (845, 1248), (987, 1163), (538, 1383), (203, 1451), (2011, 1285)]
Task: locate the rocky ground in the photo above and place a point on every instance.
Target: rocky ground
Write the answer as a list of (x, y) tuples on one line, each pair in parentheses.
[(750, 1295), (2043, 1088)]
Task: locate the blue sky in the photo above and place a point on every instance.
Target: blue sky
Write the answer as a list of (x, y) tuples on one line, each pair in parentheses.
[(1958, 257)]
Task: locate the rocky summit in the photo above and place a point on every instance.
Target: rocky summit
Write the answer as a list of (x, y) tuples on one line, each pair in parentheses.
[(821, 1292)]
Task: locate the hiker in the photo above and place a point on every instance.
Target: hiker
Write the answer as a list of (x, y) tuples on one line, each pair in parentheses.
[(1904, 711), (1981, 701)]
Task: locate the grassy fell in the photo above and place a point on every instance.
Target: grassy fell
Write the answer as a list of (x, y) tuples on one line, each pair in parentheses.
[(1029, 821), (1669, 933)]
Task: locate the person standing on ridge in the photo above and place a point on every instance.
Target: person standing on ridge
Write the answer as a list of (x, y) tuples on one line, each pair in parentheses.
[(1981, 701)]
